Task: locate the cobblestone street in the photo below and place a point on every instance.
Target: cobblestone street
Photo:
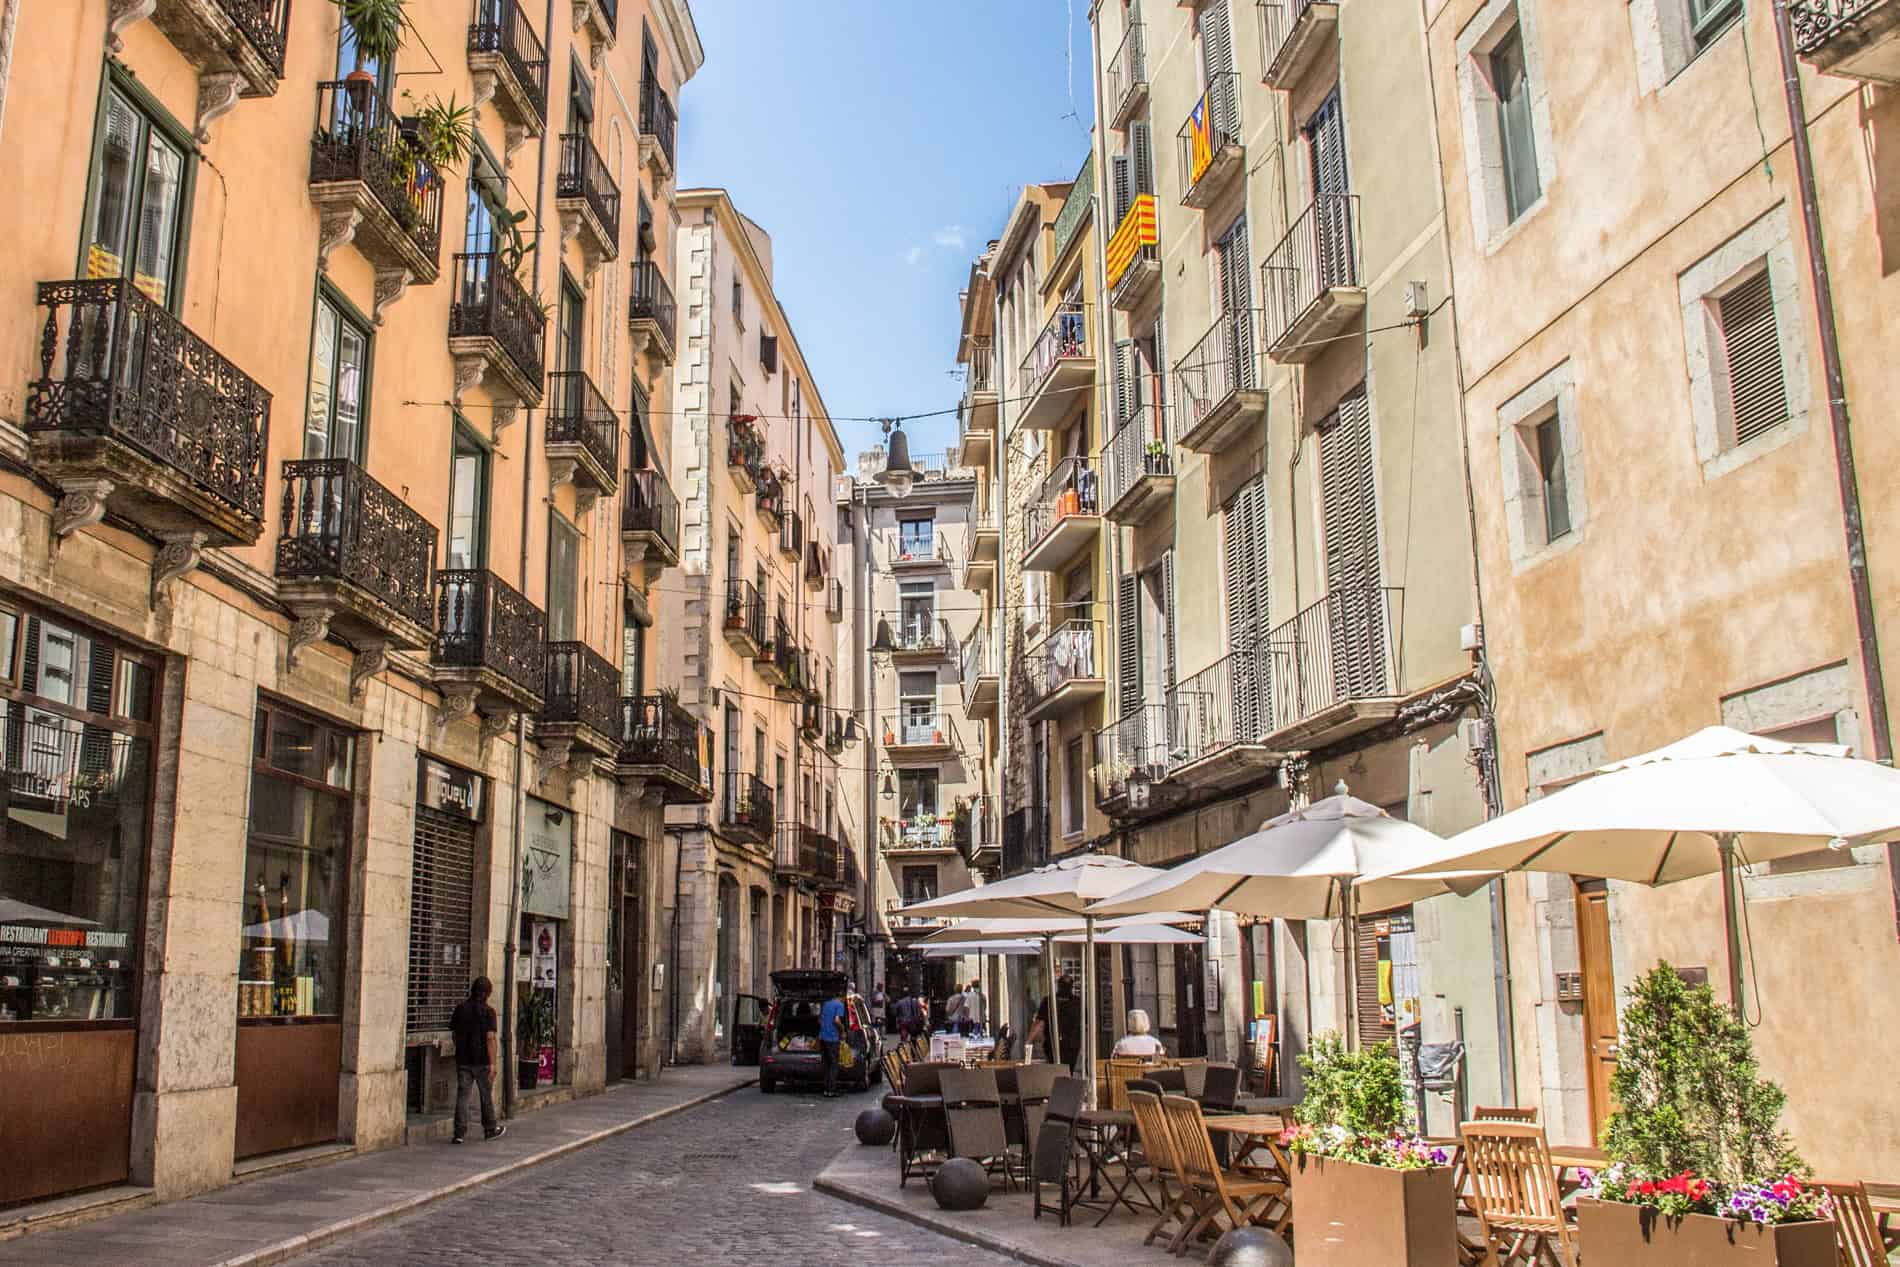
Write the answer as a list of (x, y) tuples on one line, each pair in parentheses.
[(726, 1183)]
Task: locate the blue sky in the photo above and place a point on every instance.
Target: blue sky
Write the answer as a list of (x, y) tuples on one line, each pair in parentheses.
[(881, 145)]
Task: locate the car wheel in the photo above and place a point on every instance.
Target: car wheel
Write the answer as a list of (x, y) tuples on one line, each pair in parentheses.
[(767, 1085)]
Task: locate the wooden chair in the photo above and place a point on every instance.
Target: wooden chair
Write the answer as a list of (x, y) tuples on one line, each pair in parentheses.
[(1856, 1228), (1217, 1196), (1500, 1113), (1513, 1193), (1157, 1147)]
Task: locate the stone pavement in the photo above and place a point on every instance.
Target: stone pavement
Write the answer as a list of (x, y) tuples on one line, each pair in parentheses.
[(1005, 1225), (271, 1219)]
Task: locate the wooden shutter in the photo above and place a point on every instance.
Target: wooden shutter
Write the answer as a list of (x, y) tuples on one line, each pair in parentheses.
[(1121, 183), (1167, 616), (1128, 640), (1355, 615), (1373, 1025), (1236, 301), (1332, 215), (1758, 393), (1142, 159), (1157, 395), (1217, 62), (1127, 386), (1248, 621)]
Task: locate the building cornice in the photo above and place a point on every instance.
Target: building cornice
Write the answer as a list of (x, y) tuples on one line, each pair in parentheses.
[(682, 36)]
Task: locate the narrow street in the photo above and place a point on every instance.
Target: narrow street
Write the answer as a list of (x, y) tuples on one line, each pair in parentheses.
[(726, 1183)]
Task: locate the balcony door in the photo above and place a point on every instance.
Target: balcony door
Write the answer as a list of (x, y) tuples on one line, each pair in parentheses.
[(1234, 283), (917, 612), (564, 550), (917, 805), (1332, 209), (339, 374), (468, 501), (1247, 548), (917, 707), (136, 223), (1355, 615), (571, 334)]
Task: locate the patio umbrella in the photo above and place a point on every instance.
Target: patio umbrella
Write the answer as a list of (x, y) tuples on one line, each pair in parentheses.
[(1329, 860), (1061, 927), (1696, 807), (1065, 888), (958, 949), (14, 911)]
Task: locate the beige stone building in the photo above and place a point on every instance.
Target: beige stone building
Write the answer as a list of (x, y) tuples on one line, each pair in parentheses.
[(761, 879), (330, 505), (1656, 489)]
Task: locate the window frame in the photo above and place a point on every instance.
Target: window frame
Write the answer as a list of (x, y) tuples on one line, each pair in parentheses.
[(557, 524), (118, 78), (348, 314), (461, 432), (1075, 818)]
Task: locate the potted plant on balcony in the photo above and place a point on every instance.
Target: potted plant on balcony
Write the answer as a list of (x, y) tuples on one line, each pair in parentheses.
[(377, 26), (1700, 1169), (1369, 1190), (437, 138)]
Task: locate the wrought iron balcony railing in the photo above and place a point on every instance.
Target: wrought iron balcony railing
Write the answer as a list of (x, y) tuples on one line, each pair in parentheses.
[(1075, 207), (1342, 648), (771, 495), (482, 622), (745, 610), (491, 302), (652, 301), (1816, 22), (658, 118), (341, 525), (979, 372), (1225, 361), (1139, 740), (827, 858), (817, 565), (1025, 840), (1228, 703), (360, 138), (979, 661), (1068, 653), (651, 506), (128, 369), (745, 450), (795, 851), (1210, 133), (579, 415), (973, 827), (502, 27), (583, 174), (791, 535), (582, 687), (1065, 337), (747, 805), (1318, 256), (1070, 488), (919, 728), (924, 833), (922, 633), (1293, 34), (655, 730), (265, 24), (1141, 447), (1125, 76)]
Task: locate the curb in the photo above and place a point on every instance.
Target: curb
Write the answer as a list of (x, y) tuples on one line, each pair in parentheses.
[(303, 1243), (899, 1210)]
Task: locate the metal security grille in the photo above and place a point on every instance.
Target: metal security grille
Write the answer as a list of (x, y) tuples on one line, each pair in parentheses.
[(440, 910)]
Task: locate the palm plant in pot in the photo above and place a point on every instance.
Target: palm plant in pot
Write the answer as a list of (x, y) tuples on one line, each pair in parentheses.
[(1367, 1188), (376, 29), (1700, 1170)]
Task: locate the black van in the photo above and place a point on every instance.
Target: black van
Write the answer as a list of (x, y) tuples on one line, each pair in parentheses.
[(782, 1037)]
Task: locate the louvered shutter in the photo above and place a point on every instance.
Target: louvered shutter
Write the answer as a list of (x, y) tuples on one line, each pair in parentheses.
[(1128, 640), (1217, 61), (1236, 298), (1332, 208), (1142, 154), (1247, 612), (1157, 395), (1355, 614), (1170, 633), (1121, 181), (1373, 1025), (1758, 393)]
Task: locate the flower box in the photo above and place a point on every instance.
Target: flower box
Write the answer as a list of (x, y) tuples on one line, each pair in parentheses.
[(1352, 1215), (1617, 1232)]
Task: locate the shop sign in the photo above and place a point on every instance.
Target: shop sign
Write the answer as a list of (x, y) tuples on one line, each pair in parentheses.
[(443, 787), (72, 938), (547, 858), (544, 946)]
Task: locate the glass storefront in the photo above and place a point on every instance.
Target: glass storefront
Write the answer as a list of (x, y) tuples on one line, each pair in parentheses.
[(546, 870)]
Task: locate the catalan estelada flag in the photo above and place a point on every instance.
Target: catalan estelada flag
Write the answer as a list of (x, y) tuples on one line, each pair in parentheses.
[(1201, 136)]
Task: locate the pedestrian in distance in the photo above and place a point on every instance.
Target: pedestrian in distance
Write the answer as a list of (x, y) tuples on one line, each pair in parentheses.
[(880, 1003), (973, 1007), (830, 1033), (477, 1057), (905, 1015), (955, 1019)]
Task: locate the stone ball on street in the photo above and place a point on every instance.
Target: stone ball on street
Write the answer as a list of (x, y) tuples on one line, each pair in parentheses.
[(1250, 1247), (875, 1127), (960, 1184)]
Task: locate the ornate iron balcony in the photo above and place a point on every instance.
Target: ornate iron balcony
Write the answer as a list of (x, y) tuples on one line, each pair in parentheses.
[(501, 29), (125, 369), (341, 525), (791, 535), (651, 310), (265, 24), (746, 807), (582, 688), (482, 622), (583, 428), (491, 303), (651, 507), (745, 453), (660, 739), (359, 138), (771, 496), (745, 613), (583, 175), (658, 119), (1140, 740)]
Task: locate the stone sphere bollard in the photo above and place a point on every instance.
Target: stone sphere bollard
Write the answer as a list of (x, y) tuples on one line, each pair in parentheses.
[(875, 1127), (960, 1184), (1250, 1247)]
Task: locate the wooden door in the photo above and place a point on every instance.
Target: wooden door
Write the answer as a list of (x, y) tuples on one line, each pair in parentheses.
[(632, 959), (1190, 1004), (1599, 997)]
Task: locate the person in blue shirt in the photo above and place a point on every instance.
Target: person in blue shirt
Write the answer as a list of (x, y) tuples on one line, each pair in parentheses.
[(830, 1033)]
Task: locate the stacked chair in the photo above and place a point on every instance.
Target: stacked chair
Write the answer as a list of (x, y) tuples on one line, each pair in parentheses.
[(1054, 1158), (973, 1112)]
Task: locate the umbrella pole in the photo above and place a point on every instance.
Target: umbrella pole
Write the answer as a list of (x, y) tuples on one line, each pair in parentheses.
[(1347, 913), (1088, 1005), (1725, 846), (1053, 1037)]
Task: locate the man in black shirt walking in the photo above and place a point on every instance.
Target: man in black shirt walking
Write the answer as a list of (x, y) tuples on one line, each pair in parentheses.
[(477, 1056)]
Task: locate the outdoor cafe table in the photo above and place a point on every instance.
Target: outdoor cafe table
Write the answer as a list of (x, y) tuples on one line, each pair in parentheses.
[(1105, 1136), (1253, 1131), (1885, 1198)]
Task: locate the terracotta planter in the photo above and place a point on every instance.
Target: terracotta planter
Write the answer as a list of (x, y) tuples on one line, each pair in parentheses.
[(1349, 1215), (1612, 1232)]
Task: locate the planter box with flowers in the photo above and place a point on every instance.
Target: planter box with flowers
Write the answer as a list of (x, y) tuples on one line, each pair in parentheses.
[(1366, 1188), (1701, 1174)]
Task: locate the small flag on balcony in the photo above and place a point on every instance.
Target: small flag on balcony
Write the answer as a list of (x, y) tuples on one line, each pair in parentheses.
[(1201, 137)]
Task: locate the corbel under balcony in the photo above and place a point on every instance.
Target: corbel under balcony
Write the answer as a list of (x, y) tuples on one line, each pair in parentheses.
[(238, 50), (593, 17)]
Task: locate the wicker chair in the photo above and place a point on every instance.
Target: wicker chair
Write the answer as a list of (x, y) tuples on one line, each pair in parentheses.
[(973, 1109), (1513, 1193), (1054, 1158), (1856, 1228)]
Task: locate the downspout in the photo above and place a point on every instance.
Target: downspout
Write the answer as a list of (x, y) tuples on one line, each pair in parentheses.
[(673, 975), (1872, 675), (509, 947)]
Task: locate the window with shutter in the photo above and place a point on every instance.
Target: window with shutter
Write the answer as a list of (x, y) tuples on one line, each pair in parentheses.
[(1233, 274), (1217, 64), (1332, 208), (1751, 345), (1141, 158), (1128, 641), (1248, 621), (1121, 182), (1355, 604)]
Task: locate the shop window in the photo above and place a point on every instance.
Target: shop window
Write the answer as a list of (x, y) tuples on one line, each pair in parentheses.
[(296, 868)]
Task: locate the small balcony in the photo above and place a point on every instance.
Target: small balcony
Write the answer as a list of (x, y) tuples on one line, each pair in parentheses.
[(745, 454), (973, 831), (745, 618), (791, 535), (811, 719), (919, 736), (982, 686), (976, 411), (1125, 77), (588, 199), (986, 543), (924, 834), (490, 650), (837, 865), (1064, 519), (817, 567), (921, 638), (1297, 38), (836, 737), (1311, 282), (663, 745), (580, 713), (745, 808), (583, 437), (777, 655), (1064, 671), (650, 522), (1140, 463), (1220, 389), (1135, 744), (834, 602), (651, 314), (600, 19), (1025, 840), (1221, 717), (1059, 370), (1134, 258), (510, 68), (658, 123), (1336, 667), (236, 46), (495, 331), (1210, 144), (919, 553), (133, 414), (795, 853), (770, 499), (371, 192), (1851, 38), (355, 560)]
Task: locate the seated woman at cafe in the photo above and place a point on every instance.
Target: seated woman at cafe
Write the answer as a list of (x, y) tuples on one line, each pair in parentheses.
[(1138, 1041)]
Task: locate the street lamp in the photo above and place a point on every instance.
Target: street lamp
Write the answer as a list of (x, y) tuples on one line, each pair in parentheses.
[(884, 643), (1140, 786), (898, 474)]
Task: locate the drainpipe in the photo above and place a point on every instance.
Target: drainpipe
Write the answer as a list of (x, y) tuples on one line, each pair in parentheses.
[(1867, 637), (673, 972)]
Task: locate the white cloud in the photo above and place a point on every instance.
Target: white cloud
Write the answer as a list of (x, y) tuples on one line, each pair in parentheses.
[(914, 255), (950, 237)]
